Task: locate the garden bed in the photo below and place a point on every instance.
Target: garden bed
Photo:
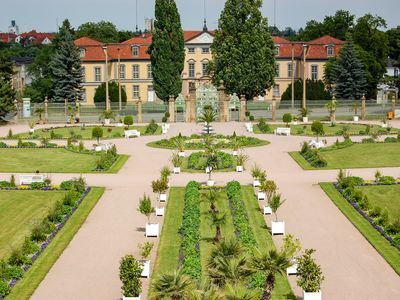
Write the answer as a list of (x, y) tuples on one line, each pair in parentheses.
[(197, 163)]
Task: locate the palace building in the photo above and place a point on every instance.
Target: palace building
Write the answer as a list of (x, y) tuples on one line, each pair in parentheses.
[(129, 63)]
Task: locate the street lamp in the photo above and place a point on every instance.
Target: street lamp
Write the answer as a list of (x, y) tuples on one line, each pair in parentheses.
[(105, 49), (305, 48), (119, 79), (292, 75)]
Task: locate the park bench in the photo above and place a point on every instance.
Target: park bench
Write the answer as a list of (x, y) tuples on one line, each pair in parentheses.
[(29, 179), (316, 145), (131, 133), (249, 127), (282, 131), (103, 147)]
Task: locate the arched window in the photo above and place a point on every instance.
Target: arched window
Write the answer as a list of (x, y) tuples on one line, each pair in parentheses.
[(330, 51), (135, 51)]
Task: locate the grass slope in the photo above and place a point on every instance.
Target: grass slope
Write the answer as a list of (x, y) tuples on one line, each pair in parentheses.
[(31, 280), (19, 211), (388, 252)]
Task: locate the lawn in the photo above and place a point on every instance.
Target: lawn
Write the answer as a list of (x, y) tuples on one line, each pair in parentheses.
[(82, 132), (376, 155), (388, 252), (50, 160), (19, 211), (384, 196), (300, 129), (31, 280), (202, 161)]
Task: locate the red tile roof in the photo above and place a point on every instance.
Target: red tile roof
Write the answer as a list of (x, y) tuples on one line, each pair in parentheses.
[(327, 40), (85, 41), (7, 37)]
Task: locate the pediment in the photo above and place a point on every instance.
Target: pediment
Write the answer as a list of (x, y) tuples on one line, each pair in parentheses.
[(204, 38)]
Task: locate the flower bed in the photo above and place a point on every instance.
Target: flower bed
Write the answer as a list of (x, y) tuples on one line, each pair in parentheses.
[(198, 161), (41, 235), (312, 156)]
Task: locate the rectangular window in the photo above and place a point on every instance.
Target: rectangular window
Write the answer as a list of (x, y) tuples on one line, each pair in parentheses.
[(329, 51), (314, 72), (84, 95), (135, 71), (205, 50), (149, 72), (192, 86), (204, 67), (191, 50), (135, 51), (290, 70), (396, 72), (191, 70), (277, 70), (136, 92), (97, 74), (277, 48), (84, 74), (277, 92), (122, 71)]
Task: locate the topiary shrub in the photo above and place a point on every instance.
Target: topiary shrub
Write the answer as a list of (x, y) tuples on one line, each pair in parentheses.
[(128, 120), (151, 128), (97, 133), (287, 118), (130, 271)]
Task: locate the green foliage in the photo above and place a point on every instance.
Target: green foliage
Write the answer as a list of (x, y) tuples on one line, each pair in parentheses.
[(287, 118), (145, 249), (167, 51), (7, 95), (151, 128), (275, 203), (113, 93), (263, 126), (315, 90), (159, 186), (172, 286), (4, 288), (130, 271), (128, 120), (38, 185), (309, 274), (145, 207), (97, 133), (243, 29), (198, 161), (312, 156), (102, 31), (317, 128)]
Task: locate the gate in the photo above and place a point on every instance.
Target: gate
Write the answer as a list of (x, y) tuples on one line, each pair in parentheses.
[(207, 95), (234, 108), (180, 109)]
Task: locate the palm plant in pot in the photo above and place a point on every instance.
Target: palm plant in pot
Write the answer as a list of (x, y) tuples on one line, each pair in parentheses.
[(130, 271), (304, 112), (107, 116), (269, 189), (241, 159), (277, 227), (144, 251), (208, 116), (256, 173), (236, 145), (31, 126), (146, 208), (292, 247), (176, 162), (179, 145), (331, 106), (309, 276)]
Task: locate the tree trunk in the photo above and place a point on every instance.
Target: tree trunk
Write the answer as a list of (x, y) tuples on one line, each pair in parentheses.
[(218, 235), (268, 287)]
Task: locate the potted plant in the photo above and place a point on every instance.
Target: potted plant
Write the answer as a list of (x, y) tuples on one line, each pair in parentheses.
[(159, 187), (256, 173), (309, 276), (331, 107), (212, 164), (241, 159), (277, 227), (108, 115), (176, 162), (146, 208), (71, 113), (236, 145), (130, 271), (269, 189), (31, 126), (304, 113), (97, 133), (145, 250), (39, 112), (355, 109), (165, 173), (291, 247), (128, 121), (295, 119), (384, 124)]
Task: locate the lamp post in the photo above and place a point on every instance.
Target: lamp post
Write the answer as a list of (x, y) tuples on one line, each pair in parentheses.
[(106, 78), (305, 47), (292, 75), (119, 79)]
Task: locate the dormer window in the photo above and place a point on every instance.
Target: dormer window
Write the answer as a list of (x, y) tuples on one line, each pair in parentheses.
[(277, 50), (135, 51), (330, 50), (82, 52)]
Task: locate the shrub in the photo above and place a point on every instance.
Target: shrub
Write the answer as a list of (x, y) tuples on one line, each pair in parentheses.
[(317, 128), (198, 161), (312, 156), (309, 274), (368, 141), (128, 120), (38, 185), (151, 128), (287, 118), (263, 126), (130, 271), (387, 180), (29, 246), (4, 288), (105, 161), (97, 133), (17, 258), (145, 207), (5, 185), (350, 181), (251, 118), (70, 198), (391, 140)]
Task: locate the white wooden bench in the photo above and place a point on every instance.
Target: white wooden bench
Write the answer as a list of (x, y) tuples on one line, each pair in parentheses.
[(131, 133), (316, 145), (282, 131), (103, 147), (29, 179)]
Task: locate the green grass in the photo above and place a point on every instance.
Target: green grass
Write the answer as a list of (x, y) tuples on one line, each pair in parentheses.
[(186, 169), (388, 252), (19, 211), (384, 196), (282, 288), (118, 164), (85, 134), (353, 129), (378, 155), (31, 280), (50, 160)]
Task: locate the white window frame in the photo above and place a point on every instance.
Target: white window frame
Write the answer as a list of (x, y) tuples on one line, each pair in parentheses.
[(205, 50), (290, 70), (330, 50), (277, 50), (204, 65), (276, 90), (97, 74), (122, 71), (135, 51), (191, 50), (82, 52), (135, 73), (314, 72), (277, 70), (192, 71), (149, 72), (135, 91)]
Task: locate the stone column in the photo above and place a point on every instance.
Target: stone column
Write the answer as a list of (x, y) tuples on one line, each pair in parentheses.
[(223, 111), (139, 113), (192, 98), (242, 108), (363, 110), (46, 109), (77, 110), (187, 109), (273, 109), (171, 109), (226, 108), (16, 110), (393, 106)]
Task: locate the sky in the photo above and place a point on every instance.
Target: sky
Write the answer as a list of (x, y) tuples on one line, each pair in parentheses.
[(44, 15)]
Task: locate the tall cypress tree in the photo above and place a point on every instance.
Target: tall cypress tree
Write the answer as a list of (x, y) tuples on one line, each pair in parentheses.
[(7, 94), (66, 67), (243, 50), (167, 50), (348, 74)]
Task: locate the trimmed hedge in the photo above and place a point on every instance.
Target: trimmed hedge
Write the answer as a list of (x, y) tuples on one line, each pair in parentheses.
[(198, 161), (312, 156)]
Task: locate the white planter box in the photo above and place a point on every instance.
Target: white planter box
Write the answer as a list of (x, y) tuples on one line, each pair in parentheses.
[(312, 296), (163, 197), (107, 121), (210, 182), (160, 211), (239, 168), (256, 183), (120, 124), (355, 118), (146, 268), (384, 125), (295, 123), (292, 270), (235, 153), (277, 227), (131, 298), (181, 154), (152, 230), (305, 119), (177, 170), (32, 130), (261, 196), (208, 170), (267, 210)]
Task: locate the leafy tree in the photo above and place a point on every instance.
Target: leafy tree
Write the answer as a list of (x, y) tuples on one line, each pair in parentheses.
[(243, 50), (312, 31), (315, 90), (97, 133), (287, 118), (102, 31), (128, 120), (130, 271), (348, 75), (309, 273), (394, 43), (113, 93), (317, 128), (339, 25), (212, 198), (7, 94), (66, 67), (275, 203), (172, 286), (145, 207), (167, 50)]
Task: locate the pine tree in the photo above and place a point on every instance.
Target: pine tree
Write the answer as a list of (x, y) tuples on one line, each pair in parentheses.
[(243, 50), (7, 94), (66, 67), (167, 50), (348, 74)]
